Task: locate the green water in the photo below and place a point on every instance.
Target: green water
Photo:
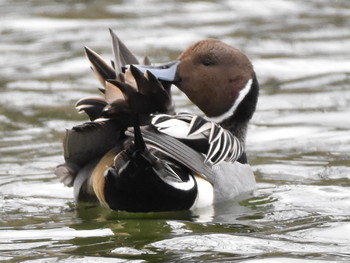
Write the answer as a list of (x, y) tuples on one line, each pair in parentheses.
[(298, 141)]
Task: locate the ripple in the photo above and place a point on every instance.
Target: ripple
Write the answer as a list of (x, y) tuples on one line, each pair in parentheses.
[(328, 233), (319, 198), (64, 233), (131, 251), (83, 259), (242, 245), (284, 259)]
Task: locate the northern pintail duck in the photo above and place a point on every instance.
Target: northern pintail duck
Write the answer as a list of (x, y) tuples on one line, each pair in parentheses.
[(136, 154)]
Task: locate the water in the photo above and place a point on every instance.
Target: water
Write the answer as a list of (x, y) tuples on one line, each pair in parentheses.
[(298, 141)]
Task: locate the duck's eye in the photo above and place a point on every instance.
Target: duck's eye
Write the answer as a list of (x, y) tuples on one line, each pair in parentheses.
[(207, 62)]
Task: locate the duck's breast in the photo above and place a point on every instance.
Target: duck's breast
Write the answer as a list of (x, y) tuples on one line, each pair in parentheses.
[(231, 180)]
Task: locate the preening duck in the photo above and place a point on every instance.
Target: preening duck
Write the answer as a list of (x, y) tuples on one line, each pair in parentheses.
[(136, 154)]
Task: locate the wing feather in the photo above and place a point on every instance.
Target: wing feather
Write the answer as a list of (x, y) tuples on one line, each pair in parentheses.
[(180, 152)]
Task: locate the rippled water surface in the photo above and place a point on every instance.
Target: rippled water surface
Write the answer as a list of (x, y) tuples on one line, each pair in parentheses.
[(298, 141)]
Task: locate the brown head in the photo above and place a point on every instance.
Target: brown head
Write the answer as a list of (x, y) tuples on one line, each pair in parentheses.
[(212, 74)]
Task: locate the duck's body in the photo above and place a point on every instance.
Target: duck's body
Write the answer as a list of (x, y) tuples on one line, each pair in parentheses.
[(174, 161)]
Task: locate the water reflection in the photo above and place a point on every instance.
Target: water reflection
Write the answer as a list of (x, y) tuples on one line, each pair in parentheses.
[(298, 142)]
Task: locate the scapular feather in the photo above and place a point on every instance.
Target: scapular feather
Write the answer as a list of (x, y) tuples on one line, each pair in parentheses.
[(101, 68), (221, 144), (92, 106), (146, 61), (198, 125), (118, 59), (215, 132), (224, 149), (125, 54), (113, 93)]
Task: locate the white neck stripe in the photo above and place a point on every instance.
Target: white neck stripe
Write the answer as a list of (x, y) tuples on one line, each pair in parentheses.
[(242, 94)]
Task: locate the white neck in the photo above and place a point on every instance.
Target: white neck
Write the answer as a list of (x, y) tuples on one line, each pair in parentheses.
[(242, 94)]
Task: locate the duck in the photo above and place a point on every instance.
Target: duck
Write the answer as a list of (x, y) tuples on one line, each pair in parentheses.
[(137, 154)]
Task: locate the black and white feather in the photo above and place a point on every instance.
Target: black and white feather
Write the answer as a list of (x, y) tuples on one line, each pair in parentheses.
[(221, 144)]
